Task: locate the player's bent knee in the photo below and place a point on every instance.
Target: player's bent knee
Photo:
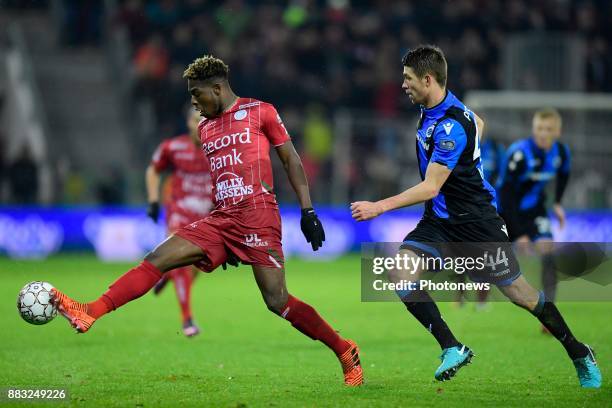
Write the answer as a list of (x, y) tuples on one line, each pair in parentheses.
[(275, 303), (156, 260), (162, 260)]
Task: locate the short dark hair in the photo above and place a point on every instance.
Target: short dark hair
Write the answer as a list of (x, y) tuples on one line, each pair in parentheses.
[(427, 59), (206, 67)]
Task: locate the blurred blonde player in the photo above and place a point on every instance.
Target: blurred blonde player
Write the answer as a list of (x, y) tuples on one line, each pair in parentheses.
[(529, 166), (189, 199)]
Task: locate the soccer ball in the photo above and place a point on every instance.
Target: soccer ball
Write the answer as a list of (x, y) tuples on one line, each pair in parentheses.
[(34, 303)]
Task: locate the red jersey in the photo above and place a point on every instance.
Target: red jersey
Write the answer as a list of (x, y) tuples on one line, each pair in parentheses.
[(191, 188), (237, 145)]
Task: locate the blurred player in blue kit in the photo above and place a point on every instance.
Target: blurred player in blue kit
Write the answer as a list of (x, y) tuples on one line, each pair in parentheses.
[(529, 166)]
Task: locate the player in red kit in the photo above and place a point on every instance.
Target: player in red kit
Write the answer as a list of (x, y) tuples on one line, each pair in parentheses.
[(190, 200), (236, 134)]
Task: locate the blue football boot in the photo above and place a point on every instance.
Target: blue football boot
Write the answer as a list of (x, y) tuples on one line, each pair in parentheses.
[(588, 371), (453, 359)]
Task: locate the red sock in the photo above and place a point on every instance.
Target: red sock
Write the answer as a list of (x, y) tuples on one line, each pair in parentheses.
[(132, 285), (304, 318), (183, 280)]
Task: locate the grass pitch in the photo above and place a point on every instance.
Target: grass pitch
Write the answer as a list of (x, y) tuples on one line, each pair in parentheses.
[(246, 356)]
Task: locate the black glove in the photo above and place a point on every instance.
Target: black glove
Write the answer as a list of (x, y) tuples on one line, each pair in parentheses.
[(312, 228), (153, 211), (232, 259)]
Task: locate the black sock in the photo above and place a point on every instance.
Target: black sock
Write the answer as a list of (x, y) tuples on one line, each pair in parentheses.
[(549, 277), (548, 314), (422, 306)]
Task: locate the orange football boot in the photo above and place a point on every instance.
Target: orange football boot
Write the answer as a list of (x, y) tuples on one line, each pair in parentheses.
[(75, 312), (351, 366)]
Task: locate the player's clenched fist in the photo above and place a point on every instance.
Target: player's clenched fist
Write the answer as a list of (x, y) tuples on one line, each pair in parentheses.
[(365, 210), (312, 228)]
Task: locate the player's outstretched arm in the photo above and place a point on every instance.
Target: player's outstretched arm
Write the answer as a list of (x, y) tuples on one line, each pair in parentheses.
[(152, 181), (310, 223), (435, 177)]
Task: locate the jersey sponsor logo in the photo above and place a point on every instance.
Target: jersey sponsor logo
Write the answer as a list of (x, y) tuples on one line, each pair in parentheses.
[(233, 158), (448, 126), (241, 114), (447, 145), (422, 142), (252, 240), (231, 186), (226, 140)]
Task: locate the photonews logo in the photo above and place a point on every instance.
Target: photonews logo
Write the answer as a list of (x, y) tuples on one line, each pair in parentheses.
[(230, 186)]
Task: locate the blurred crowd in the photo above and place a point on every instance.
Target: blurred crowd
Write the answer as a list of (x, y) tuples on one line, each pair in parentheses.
[(344, 53), (313, 57)]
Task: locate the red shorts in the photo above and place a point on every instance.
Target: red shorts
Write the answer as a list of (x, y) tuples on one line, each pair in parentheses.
[(254, 236)]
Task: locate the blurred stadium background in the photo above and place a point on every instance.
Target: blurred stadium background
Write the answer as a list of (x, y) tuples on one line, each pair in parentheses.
[(89, 88)]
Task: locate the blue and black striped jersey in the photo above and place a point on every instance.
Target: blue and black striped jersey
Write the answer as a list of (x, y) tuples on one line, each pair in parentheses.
[(527, 171), (448, 134)]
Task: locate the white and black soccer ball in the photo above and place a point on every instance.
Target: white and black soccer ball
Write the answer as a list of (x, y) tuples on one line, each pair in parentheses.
[(34, 303)]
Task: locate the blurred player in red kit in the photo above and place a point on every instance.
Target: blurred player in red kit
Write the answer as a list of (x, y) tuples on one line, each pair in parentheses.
[(236, 134), (190, 199)]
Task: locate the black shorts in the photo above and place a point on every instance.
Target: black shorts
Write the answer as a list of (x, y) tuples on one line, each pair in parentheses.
[(487, 238), (534, 223)]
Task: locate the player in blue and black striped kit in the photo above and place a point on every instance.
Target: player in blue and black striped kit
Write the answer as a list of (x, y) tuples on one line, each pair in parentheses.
[(460, 206), (529, 166)]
